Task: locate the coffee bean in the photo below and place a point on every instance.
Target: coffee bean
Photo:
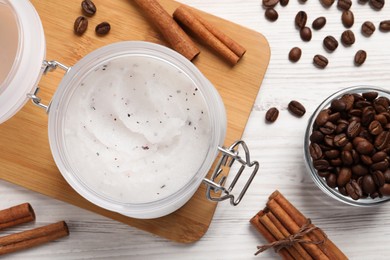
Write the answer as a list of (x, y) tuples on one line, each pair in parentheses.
[(382, 140), (334, 118), (332, 154), (368, 28), (344, 4), (319, 23), (315, 151), (272, 114), (344, 176), (348, 38), (384, 26), (338, 105), (385, 190), (316, 137), (386, 174), (347, 19), (331, 180), (103, 28), (295, 54), (305, 34), (370, 96), (353, 129), (320, 61), (368, 114), (368, 184), (348, 100), (359, 170), (377, 4), (328, 139), (366, 160), (300, 19), (330, 43), (379, 178), (271, 14), (360, 57), (354, 190), (270, 3), (328, 128), (80, 25), (382, 119), (379, 156), (284, 2), (296, 108), (322, 118), (346, 157), (327, 3), (375, 128), (88, 7), (380, 166), (340, 140), (321, 164)]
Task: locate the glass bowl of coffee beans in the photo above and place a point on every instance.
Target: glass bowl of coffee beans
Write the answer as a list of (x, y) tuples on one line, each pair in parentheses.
[(347, 146)]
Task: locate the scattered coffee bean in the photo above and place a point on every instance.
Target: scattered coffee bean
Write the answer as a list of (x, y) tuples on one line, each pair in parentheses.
[(348, 38), (284, 2), (88, 7), (103, 28), (270, 3), (319, 23), (344, 4), (377, 4), (271, 14), (385, 189), (305, 34), (327, 3), (272, 114), (354, 190), (347, 19), (384, 26), (330, 43), (296, 108), (360, 57), (300, 19), (320, 61), (295, 54), (80, 25), (368, 184), (368, 28)]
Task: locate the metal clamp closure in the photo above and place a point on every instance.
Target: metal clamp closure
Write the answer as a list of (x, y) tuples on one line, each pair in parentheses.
[(48, 66), (229, 156)]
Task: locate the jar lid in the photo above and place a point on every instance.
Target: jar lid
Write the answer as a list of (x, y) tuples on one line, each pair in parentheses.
[(22, 51)]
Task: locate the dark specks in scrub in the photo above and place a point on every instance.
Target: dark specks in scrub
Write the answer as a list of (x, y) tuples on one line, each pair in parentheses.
[(160, 122), (128, 115), (145, 147), (114, 119), (162, 187), (97, 154), (137, 122), (178, 91), (154, 75), (93, 108), (189, 123)]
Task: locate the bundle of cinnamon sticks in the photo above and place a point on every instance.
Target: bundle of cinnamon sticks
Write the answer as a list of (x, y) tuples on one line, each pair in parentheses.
[(24, 213), (281, 223)]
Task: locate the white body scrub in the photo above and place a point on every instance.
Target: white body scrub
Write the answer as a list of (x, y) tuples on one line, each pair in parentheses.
[(137, 129)]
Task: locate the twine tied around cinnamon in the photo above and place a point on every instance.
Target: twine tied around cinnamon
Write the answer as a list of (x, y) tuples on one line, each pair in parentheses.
[(295, 238)]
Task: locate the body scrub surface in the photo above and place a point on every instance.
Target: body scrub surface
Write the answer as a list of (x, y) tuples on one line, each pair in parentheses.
[(136, 129)]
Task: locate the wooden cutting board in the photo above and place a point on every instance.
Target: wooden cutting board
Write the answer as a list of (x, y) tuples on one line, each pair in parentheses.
[(25, 156)]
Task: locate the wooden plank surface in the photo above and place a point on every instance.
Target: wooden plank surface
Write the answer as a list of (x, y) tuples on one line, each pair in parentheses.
[(25, 155)]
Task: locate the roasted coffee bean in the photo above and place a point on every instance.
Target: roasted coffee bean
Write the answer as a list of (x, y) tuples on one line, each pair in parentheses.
[(384, 26), (328, 140), (296, 108), (380, 166), (322, 118), (331, 180), (348, 38), (370, 96), (284, 2), (315, 151), (353, 129), (321, 164), (341, 127), (379, 178), (382, 140), (385, 190), (319, 23), (348, 100), (332, 154), (358, 97), (103, 28), (368, 28), (271, 14), (270, 3), (324, 174), (377, 4), (368, 114), (354, 190), (360, 57), (300, 19), (338, 105), (330, 43), (366, 135), (363, 146), (375, 128), (334, 117), (88, 7), (344, 4), (305, 34), (344, 176), (379, 156), (362, 104), (295, 54), (347, 18), (366, 160), (80, 25), (381, 104), (386, 174), (381, 119), (359, 170), (327, 3), (368, 184), (348, 147), (340, 140), (316, 137), (320, 61), (336, 162), (346, 157), (328, 128), (272, 114)]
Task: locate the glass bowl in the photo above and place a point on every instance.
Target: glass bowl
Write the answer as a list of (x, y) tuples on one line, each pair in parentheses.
[(321, 181)]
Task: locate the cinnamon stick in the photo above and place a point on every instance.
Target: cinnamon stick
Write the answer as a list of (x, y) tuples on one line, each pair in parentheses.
[(329, 248), (187, 18), (255, 221), (34, 237), (16, 215), (171, 31)]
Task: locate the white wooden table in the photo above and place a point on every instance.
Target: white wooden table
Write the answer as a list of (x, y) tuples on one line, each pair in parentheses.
[(362, 233)]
